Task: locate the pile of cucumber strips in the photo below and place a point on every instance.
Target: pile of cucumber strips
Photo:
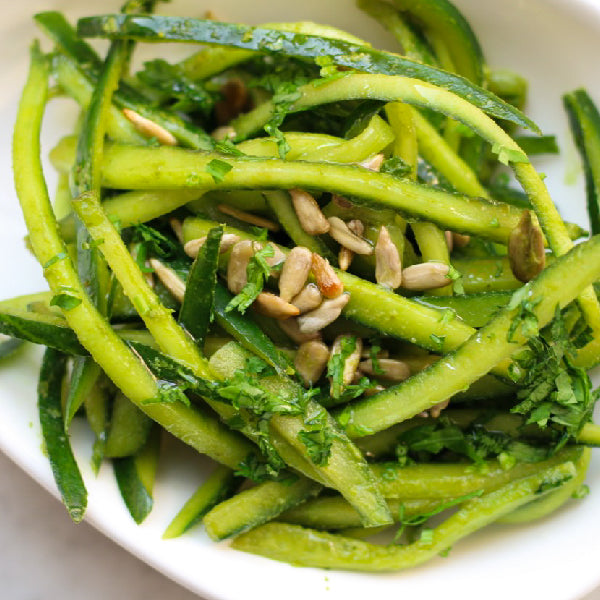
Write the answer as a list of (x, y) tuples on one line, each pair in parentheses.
[(304, 257)]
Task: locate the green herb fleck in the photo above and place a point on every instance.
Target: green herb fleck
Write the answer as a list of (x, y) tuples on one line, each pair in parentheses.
[(217, 169)]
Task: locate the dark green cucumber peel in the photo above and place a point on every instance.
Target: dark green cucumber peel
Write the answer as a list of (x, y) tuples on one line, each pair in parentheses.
[(199, 299), (129, 429), (84, 376), (445, 21), (361, 58), (584, 121), (64, 467), (219, 486), (135, 477), (41, 329)]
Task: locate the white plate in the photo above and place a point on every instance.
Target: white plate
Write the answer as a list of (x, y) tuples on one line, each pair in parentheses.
[(555, 44)]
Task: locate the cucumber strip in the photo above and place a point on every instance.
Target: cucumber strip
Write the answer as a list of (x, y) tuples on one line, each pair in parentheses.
[(73, 81), (544, 144), (129, 167), (305, 46), (481, 275), (64, 467), (213, 60), (129, 429), (46, 330), (201, 431), (445, 21), (474, 309), (413, 46), (557, 285), (84, 377), (508, 85), (541, 508), (97, 406), (135, 477), (333, 512), (219, 486), (307, 547), (584, 120), (198, 302), (256, 506)]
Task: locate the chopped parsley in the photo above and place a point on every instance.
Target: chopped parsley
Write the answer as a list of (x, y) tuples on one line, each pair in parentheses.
[(257, 272), (217, 169), (553, 391), (66, 299), (396, 167)]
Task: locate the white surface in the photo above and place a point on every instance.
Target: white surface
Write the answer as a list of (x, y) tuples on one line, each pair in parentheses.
[(553, 43)]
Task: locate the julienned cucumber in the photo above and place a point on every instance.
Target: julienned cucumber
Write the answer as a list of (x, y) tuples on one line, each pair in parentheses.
[(362, 58), (66, 472), (584, 120)]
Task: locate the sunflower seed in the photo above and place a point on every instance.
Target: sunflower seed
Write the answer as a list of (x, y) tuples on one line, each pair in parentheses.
[(149, 128), (373, 163), (309, 298), (389, 368), (225, 132), (312, 220), (327, 313), (328, 282), (294, 273), (526, 248), (291, 328), (388, 266), (426, 276), (273, 306), (311, 360), (241, 253), (169, 279), (177, 228), (449, 240), (341, 233), (227, 242), (247, 217), (436, 411), (345, 255), (459, 240)]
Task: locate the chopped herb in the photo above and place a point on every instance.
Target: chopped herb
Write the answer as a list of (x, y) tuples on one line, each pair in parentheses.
[(65, 300), (396, 166), (55, 259), (552, 390), (456, 278), (257, 272), (337, 363), (182, 93), (438, 341), (217, 169), (283, 100), (581, 492), (525, 318), (508, 155), (374, 354)]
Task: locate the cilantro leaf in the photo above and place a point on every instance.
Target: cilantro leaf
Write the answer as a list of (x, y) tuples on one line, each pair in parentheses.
[(66, 299), (257, 272), (396, 166), (218, 169)]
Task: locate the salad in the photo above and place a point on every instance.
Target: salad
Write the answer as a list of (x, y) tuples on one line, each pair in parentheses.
[(303, 257)]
